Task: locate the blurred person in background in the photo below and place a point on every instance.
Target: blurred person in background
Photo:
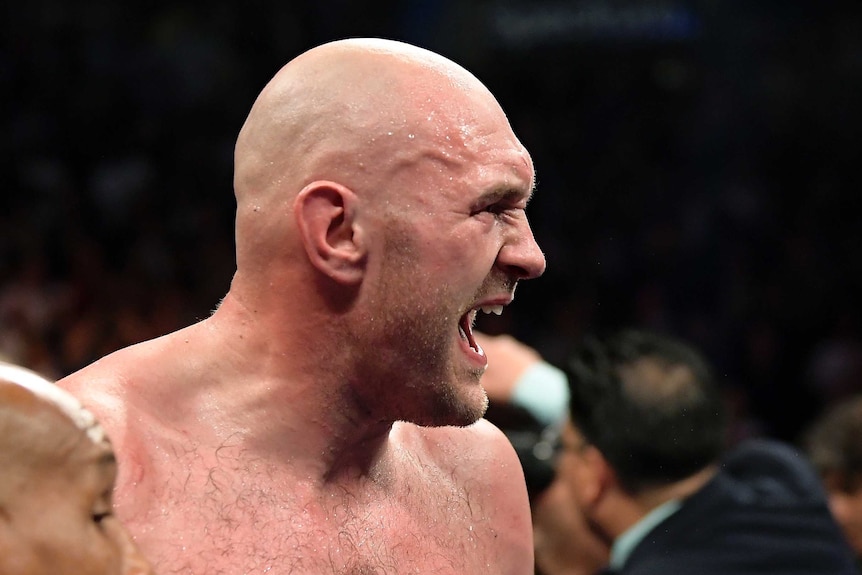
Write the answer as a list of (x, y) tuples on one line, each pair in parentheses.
[(528, 400), (56, 485), (833, 443), (644, 454)]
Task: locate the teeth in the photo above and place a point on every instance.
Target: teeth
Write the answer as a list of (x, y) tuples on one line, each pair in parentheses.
[(495, 309)]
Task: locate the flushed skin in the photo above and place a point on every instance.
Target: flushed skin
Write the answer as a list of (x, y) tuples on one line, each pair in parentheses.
[(327, 417), (55, 492)]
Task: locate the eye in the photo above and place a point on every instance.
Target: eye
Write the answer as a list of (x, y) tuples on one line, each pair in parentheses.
[(98, 517), (102, 508), (501, 203), (504, 211), (497, 209)]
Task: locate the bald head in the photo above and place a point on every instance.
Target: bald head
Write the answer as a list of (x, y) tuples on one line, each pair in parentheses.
[(341, 95), (353, 112), (19, 386), (39, 423), (55, 488)]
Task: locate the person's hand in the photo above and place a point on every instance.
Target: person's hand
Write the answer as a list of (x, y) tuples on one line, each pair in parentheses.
[(508, 359)]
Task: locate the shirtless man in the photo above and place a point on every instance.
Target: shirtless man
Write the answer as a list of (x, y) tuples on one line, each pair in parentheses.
[(326, 418), (57, 476)]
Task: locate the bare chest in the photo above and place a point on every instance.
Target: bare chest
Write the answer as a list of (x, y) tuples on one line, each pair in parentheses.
[(218, 522)]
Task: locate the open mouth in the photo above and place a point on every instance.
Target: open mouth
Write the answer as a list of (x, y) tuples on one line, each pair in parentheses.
[(465, 326)]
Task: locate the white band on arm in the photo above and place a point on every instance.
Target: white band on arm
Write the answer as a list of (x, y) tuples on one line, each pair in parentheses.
[(543, 390)]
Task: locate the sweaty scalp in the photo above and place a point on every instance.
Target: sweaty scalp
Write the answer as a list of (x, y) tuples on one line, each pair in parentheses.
[(339, 112)]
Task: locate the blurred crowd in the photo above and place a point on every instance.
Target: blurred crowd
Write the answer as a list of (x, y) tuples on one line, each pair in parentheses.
[(703, 183)]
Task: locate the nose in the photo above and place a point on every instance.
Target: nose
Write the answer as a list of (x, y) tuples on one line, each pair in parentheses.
[(521, 256)]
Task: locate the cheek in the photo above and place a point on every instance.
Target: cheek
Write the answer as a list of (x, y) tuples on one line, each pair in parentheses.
[(61, 549), (847, 510), (568, 476), (96, 552), (472, 243), (554, 503), (82, 545), (51, 526), (124, 550)]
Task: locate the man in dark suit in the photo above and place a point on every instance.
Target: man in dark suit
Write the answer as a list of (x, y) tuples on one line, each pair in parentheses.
[(644, 457)]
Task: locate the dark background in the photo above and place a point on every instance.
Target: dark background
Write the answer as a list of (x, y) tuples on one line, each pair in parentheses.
[(697, 165)]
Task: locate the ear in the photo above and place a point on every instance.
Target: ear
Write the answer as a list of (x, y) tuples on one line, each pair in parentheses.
[(600, 476), (325, 215)]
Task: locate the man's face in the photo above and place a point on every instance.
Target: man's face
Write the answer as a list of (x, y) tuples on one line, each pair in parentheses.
[(456, 240), (579, 467), (573, 469), (563, 536), (55, 501)]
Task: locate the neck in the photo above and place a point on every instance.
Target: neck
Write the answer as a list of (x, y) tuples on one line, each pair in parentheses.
[(621, 510), (651, 498), (260, 387)]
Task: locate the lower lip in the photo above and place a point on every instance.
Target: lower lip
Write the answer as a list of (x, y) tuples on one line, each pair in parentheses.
[(477, 359)]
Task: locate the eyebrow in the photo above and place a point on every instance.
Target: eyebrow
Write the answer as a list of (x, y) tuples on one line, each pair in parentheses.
[(506, 193)]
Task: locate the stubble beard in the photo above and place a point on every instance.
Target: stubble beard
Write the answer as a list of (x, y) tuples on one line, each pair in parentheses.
[(410, 360), (410, 365)]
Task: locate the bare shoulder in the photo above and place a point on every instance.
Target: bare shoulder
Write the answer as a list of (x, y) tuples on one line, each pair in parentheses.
[(476, 453), (480, 459), (481, 442), (136, 362), (105, 386), (96, 385), (479, 455), (100, 383), (123, 391)]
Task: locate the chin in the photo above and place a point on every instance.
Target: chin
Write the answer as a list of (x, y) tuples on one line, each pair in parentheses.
[(456, 409)]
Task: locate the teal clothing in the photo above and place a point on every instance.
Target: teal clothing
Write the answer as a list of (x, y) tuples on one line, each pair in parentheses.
[(625, 543), (543, 390)]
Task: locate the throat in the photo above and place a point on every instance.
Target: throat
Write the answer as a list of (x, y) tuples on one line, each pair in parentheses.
[(367, 460)]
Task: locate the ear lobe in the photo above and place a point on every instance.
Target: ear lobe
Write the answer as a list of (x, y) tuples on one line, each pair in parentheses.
[(325, 216)]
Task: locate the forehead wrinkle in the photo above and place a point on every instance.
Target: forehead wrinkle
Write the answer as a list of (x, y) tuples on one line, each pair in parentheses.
[(487, 156), (406, 163), (507, 185)]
